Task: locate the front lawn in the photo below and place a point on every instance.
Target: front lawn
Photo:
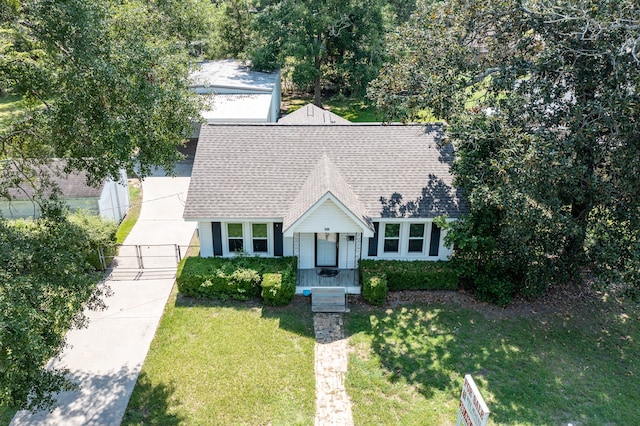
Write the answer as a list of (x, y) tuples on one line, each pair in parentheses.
[(576, 362), (228, 363)]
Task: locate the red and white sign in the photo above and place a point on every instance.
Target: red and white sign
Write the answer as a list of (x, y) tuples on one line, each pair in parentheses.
[(473, 411)]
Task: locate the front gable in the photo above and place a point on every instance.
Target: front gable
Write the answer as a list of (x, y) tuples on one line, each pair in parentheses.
[(328, 214)]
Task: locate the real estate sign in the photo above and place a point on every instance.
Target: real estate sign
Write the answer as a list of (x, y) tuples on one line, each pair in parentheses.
[(472, 411)]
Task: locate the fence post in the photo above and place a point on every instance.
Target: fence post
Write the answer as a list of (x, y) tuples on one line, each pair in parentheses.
[(139, 256), (103, 262)]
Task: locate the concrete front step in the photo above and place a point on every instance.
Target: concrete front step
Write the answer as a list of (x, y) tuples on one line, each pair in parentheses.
[(328, 299)]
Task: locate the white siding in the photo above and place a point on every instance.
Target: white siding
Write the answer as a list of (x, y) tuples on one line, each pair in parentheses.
[(287, 246), (206, 239), (347, 251), (307, 251), (328, 218), (274, 111), (444, 253), (114, 199)]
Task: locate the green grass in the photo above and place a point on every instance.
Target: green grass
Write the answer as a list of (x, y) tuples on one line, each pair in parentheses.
[(6, 414), (227, 363), (356, 110), (578, 366), (11, 107), (135, 195)]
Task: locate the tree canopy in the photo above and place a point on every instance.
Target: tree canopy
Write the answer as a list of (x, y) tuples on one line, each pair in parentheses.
[(105, 87), (542, 103), (105, 84), (47, 275), (337, 42)]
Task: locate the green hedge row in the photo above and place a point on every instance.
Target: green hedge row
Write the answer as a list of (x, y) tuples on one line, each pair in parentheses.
[(239, 277), (276, 290), (407, 275)]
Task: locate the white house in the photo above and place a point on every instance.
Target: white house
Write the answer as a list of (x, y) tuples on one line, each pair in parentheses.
[(328, 194), (241, 95), (110, 200)]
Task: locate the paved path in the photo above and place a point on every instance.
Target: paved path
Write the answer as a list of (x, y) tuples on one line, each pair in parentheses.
[(105, 358), (333, 406)]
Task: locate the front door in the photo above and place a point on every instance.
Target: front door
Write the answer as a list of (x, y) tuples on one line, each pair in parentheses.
[(327, 249)]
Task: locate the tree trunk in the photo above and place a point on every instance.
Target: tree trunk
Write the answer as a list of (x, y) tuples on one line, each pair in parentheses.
[(317, 87), (317, 91), (574, 247)]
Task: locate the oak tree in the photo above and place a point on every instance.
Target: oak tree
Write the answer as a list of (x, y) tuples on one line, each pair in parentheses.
[(542, 102), (337, 42)]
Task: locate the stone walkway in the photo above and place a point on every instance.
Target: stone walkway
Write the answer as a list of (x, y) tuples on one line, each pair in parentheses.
[(333, 406)]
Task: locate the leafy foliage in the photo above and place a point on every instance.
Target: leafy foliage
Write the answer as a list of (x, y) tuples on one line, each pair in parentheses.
[(278, 289), (46, 278), (104, 85), (374, 288), (412, 275), (239, 277), (542, 102), (336, 42), (232, 33)]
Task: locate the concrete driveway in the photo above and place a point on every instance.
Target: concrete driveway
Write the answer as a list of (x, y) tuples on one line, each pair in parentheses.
[(106, 357)]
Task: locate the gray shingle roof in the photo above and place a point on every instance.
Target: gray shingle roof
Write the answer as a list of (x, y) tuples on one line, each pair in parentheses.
[(311, 114), (259, 171), (72, 185)]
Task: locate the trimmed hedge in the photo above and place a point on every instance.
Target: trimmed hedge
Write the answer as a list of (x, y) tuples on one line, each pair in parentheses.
[(239, 277), (277, 290), (412, 275), (374, 288)]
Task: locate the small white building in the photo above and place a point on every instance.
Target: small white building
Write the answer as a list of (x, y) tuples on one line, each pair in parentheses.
[(240, 95), (110, 200)]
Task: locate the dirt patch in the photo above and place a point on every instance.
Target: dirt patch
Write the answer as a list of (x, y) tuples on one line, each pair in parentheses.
[(570, 299)]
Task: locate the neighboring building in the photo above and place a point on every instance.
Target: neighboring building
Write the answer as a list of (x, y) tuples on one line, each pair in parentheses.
[(311, 114), (240, 94), (328, 194), (110, 200)]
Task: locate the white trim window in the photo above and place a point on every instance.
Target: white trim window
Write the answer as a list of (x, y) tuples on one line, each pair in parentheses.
[(235, 239), (260, 237), (416, 238), (391, 238)]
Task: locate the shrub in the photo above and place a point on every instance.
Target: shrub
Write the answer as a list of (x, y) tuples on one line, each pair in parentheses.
[(239, 277), (101, 233), (413, 275), (244, 283), (374, 288), (277, 291)]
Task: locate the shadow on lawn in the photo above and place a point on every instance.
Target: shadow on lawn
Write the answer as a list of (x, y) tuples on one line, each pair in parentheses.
[(295, 317), (433, 348), (150, 404)]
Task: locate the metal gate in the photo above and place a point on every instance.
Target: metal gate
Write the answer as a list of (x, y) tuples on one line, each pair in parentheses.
[(138, 261)]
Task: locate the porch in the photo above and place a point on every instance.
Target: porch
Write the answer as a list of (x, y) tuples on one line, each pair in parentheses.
[(328, 277)]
